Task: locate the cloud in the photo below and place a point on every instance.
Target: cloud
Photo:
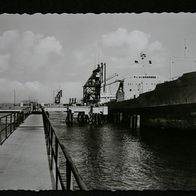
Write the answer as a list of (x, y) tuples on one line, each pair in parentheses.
[(32, 64), (8, 39), (117, 38), (133, 41), (4, 62), (27, 63), (28, 53), (155, 46), (129, 43)]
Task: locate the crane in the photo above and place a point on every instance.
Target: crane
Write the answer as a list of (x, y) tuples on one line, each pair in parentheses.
[(92, 88), (107, 79), (58, 97), (112, 76)]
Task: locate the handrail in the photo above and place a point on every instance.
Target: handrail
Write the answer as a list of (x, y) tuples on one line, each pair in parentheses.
[(53, 155), (9, 122)]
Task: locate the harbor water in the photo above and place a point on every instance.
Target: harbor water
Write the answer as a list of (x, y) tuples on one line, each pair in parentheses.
[(111, 157)]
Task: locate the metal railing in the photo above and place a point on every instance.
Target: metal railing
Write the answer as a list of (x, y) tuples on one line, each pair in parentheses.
[(9, 122), (53, 147)]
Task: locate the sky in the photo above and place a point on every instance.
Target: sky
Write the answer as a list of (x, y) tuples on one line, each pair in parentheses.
[(40, 54)]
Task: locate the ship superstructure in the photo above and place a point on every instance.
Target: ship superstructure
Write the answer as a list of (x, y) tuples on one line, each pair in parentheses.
[(137, 84), (114, 91)]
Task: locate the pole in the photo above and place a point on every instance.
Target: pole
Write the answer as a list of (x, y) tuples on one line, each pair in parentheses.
[(185, 48), (104, 75), (53, 98), (171, 64), (14, 97)]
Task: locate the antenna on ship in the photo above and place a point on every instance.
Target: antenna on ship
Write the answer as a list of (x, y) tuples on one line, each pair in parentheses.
[(171, 65), (185, 48), (184, 58), (14, 97)]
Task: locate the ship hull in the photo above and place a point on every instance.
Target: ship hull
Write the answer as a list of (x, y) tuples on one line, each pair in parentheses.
[(171, 105)]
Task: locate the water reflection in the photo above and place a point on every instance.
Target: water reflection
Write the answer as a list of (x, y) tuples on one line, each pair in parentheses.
[(173, 161), (112, 157)]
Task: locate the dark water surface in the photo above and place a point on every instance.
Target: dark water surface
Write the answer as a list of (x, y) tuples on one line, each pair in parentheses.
[(111, 157)]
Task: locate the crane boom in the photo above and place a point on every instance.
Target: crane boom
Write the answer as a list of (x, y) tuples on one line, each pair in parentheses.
[(112, 76), (113, 82)]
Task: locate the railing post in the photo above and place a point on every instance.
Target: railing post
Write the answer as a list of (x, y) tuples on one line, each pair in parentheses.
[(71, 170), (69, 177), (56, 152), (21, 115), (49, 136), (10, 123), (14, 120), (17, 119), (51, 149), (6, 127), (0, 130)]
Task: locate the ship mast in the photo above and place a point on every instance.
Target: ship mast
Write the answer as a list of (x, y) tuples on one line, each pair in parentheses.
[(185, 48), (14, 98), (184, 58)]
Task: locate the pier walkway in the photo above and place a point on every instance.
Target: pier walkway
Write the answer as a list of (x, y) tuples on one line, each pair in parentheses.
[(23, 158)]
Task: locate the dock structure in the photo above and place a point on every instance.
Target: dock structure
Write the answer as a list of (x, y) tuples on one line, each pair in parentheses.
[(24, 161)]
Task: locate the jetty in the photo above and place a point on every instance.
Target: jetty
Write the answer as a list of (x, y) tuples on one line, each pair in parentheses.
[(24, 161), (30, 151)]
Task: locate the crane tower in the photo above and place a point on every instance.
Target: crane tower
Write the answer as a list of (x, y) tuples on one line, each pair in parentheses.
[(92, 88)]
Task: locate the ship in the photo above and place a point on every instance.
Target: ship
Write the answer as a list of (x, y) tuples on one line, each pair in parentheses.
[(129, 87), (179, 91), (172, 104)]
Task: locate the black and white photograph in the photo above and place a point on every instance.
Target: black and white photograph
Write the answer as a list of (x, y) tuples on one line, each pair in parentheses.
[(98, 101)]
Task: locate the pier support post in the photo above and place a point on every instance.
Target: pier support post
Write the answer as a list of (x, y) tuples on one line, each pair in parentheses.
[(69, 118), (126, 119), (115, 118), (134, 121), (130, 121), (116, 115), (96, 119), (81, 118), (120, 117), (138, 122)]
